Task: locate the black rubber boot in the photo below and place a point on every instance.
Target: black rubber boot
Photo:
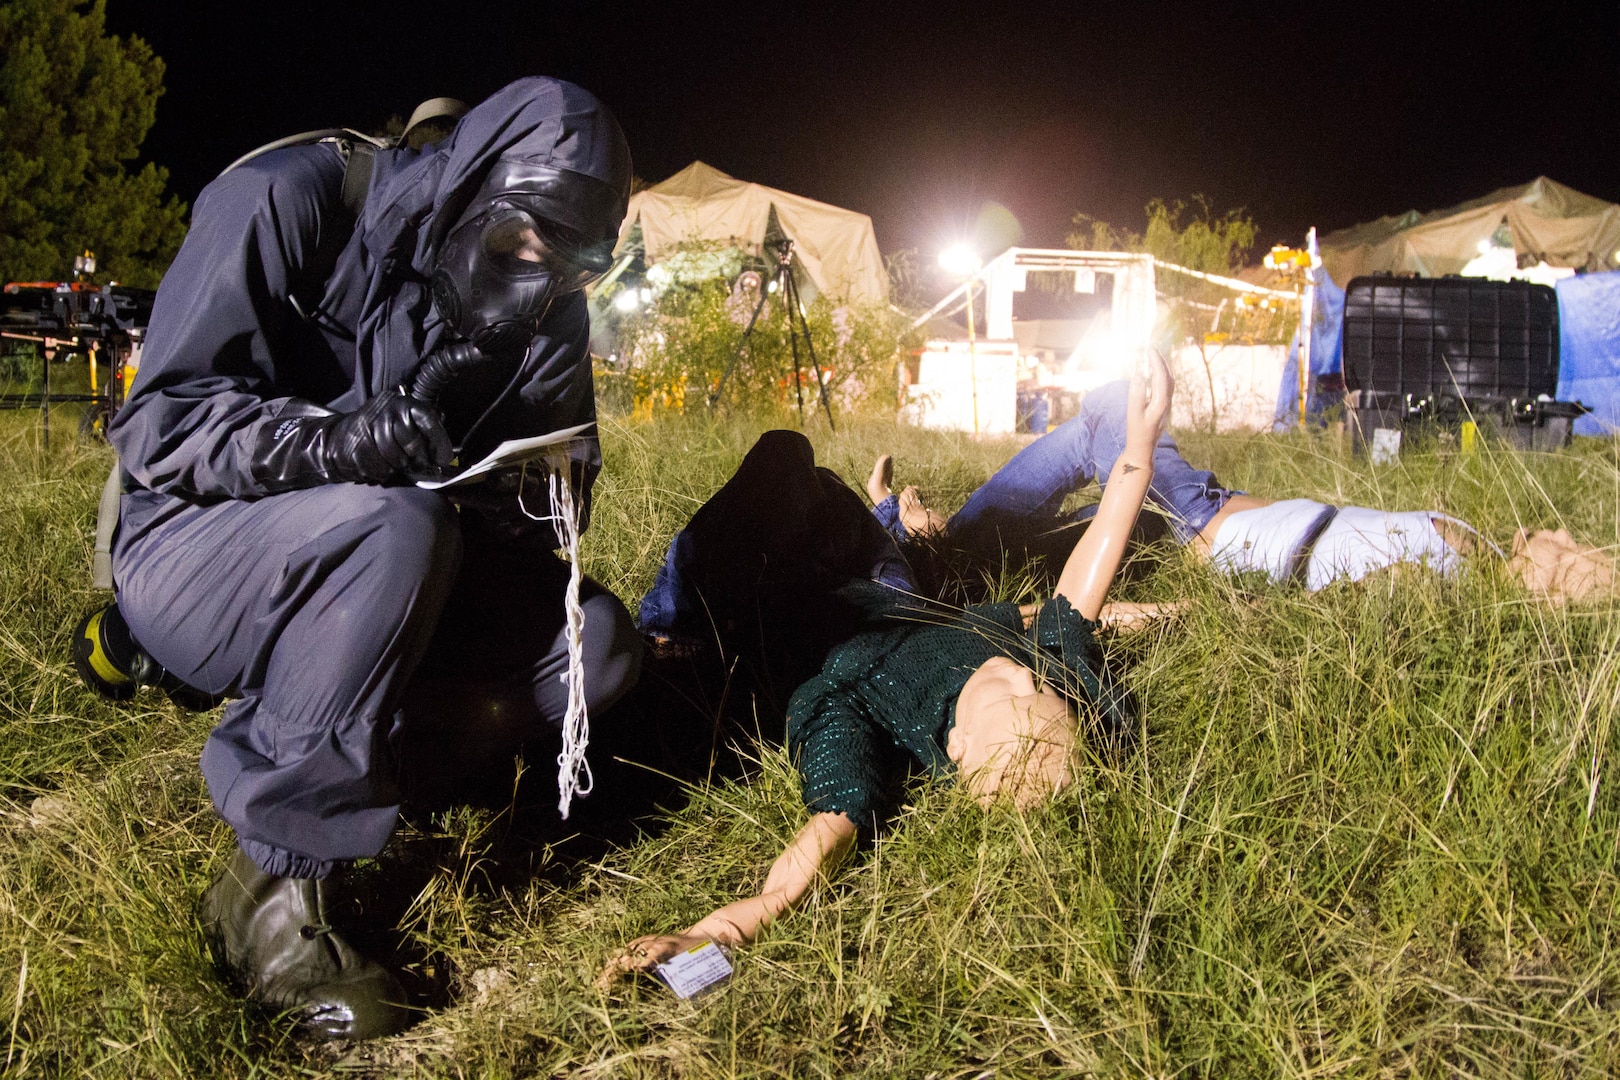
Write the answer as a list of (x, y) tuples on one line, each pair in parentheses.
[(271, 935)]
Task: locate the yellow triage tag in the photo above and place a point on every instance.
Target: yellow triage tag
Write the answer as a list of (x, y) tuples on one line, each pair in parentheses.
[(695, 970)]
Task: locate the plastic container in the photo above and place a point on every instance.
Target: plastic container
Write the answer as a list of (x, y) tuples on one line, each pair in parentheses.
[(1465, 338), (1034, 412), (1444, 351)]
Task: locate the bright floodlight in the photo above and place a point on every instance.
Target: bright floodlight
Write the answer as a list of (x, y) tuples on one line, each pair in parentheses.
[(959, 260), (627, 300)]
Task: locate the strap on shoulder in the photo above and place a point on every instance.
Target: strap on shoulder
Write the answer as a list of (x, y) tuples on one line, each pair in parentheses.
[(101, 570), (357, 175)]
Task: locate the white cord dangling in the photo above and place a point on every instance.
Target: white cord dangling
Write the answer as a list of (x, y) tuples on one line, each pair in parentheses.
[(576, 726)]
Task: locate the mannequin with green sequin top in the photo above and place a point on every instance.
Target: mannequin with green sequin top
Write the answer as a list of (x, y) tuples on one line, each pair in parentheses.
[(1012, 733)]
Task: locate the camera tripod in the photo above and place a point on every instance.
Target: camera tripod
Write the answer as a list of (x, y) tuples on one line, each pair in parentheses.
[(797, 325)]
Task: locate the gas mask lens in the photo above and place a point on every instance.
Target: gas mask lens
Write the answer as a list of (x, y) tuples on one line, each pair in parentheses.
[(520, 244)]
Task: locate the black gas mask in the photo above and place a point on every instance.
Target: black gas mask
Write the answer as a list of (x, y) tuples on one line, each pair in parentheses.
[(532, 233)]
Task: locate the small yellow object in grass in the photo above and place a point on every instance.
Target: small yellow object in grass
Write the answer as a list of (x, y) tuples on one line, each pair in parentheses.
[(1470, 437)]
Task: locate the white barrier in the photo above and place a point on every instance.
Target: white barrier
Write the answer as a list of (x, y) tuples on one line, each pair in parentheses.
[(943, 397), (1245, 379)]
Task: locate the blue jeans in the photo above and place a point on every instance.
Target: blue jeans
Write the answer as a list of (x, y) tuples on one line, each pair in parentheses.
[(1023, 499)]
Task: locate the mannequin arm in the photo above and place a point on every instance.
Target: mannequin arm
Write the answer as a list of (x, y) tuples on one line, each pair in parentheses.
[(1096, 558), (824, 839)]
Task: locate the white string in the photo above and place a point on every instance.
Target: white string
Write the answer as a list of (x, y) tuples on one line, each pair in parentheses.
[(576, 726)]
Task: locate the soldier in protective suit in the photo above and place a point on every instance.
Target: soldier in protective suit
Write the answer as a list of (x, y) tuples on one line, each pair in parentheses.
[(273, 545)]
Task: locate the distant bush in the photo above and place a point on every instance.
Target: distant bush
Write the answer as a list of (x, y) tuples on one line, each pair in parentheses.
[(674, 351), (1192, 235), (21, 367)]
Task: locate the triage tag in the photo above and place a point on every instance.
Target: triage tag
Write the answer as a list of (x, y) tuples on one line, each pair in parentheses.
[(695, 970)]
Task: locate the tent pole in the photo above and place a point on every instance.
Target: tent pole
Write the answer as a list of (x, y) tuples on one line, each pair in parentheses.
[(785, 277), (1307, 321), (973, 358)]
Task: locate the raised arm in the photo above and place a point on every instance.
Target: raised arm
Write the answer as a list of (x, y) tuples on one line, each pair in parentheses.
[(824, 839), (1096, 558)]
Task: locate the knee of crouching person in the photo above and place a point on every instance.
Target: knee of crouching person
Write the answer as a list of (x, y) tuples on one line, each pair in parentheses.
[(414, 534)]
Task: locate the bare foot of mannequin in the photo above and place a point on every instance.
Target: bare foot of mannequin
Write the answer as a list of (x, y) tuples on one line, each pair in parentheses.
[(917, 518), (877, 485)]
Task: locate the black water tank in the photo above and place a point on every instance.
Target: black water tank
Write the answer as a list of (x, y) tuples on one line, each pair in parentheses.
[(1460, 338)]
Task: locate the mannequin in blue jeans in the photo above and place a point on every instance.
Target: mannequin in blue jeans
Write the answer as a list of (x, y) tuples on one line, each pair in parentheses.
[(1020, 504), (1017, 512), (796, 514), (756, 571)]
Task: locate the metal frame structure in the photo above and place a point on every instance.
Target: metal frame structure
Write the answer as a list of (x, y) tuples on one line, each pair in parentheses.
[(51, 344)]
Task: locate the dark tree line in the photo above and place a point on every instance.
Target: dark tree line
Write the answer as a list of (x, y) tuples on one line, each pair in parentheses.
[(75, 105)]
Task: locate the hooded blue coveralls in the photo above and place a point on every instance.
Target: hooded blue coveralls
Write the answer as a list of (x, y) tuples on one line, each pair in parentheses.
[(365, 628)]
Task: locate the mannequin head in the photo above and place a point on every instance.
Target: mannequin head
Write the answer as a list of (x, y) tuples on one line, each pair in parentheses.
[(1552, 565), (1013, 738)]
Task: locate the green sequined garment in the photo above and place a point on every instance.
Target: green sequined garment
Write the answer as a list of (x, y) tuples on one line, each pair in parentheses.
[(885, 700)]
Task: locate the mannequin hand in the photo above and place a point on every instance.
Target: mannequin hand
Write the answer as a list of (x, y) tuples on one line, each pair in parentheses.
[(645, 954), (1147, 410), (1553, 566), (823, 839)]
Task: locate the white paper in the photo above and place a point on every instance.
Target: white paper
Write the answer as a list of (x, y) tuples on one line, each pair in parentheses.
[(510, 452), (1386, 446), (695, 970)]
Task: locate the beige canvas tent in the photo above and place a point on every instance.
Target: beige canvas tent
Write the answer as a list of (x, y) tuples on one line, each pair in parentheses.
[(1546, 220), (836, 247)]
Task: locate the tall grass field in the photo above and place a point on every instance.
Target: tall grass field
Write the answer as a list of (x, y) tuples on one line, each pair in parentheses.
[(1372, 831)]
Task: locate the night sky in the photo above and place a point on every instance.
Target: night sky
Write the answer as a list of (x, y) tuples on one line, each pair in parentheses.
[(918, 114)]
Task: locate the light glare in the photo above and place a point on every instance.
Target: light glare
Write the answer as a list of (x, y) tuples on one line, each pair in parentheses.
[(959, 260)]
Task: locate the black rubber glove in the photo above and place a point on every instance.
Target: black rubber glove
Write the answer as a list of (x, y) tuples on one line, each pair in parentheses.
[(392, 437)]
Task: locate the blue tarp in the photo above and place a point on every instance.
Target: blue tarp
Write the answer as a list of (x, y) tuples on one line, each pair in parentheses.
[(1589, 349), (1327, 356)]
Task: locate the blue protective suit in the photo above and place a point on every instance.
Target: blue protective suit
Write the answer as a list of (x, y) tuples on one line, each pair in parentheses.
[(361, 626)]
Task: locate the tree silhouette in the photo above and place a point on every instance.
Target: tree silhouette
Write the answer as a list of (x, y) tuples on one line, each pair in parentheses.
[(75, 104)]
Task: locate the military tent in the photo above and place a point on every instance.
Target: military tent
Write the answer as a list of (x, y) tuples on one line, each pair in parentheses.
[(1546, 222), (837, 248)]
